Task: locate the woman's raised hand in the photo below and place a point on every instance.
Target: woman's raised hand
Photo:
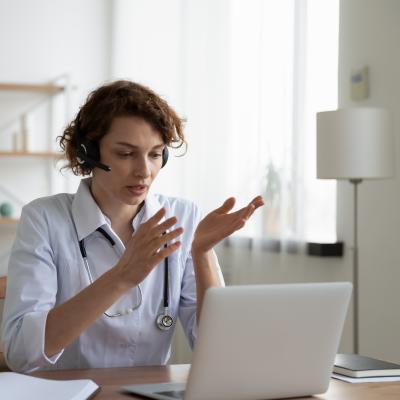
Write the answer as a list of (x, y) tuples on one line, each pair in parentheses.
[(219, 224), (147, 248)]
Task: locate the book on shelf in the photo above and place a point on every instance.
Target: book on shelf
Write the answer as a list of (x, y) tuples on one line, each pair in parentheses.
[(356, 366), (18, 386)]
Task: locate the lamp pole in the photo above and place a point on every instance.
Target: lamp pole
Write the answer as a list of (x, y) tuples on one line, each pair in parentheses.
[(355, 183)]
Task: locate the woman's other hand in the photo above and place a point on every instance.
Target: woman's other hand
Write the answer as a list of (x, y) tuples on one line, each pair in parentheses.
[(219, 224)]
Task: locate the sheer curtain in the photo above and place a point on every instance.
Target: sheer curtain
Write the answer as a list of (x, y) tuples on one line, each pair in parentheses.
[(249, 77), (283, 70)]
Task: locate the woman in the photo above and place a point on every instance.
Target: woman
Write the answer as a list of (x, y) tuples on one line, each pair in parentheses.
[(99, 278)]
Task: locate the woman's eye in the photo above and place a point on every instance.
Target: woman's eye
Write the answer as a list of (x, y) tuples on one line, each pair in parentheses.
[(124, 155), (131, 154)]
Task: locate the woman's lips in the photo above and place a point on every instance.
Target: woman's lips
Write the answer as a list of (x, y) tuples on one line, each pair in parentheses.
[(137, 189)]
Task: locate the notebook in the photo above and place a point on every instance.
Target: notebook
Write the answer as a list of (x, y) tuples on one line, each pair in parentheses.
[(262, 342), (21, 387), (357, 366)]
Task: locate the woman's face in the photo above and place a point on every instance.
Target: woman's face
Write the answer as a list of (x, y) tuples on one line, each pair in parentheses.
[(133, 149)]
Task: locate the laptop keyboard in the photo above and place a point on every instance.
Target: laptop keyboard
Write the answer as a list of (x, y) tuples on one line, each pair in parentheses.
[(174, 394)]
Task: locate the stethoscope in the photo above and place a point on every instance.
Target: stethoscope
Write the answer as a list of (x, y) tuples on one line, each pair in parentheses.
[(164, 321)]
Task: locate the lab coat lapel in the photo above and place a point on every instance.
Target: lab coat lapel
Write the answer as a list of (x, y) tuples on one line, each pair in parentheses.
[(85, 211)]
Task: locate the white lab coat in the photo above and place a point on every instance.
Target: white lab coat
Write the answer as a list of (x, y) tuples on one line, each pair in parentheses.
[(46, 268)]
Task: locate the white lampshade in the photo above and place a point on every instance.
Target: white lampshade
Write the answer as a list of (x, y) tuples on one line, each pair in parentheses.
[(355, 143)]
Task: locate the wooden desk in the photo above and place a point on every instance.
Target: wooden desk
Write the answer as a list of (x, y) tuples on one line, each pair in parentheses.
[(111, 379)]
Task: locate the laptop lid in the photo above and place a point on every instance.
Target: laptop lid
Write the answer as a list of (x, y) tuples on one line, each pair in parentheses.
[(265, 342)]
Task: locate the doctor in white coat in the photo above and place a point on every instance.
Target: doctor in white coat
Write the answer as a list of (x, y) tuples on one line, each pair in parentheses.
[(99, 278)]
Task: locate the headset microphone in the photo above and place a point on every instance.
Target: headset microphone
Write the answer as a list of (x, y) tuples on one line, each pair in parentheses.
[(84, 160)]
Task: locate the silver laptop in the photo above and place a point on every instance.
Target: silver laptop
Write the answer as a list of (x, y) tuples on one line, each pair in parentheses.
[(262, 342)]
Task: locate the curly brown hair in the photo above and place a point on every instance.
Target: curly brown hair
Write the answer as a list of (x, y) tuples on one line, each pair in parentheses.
[(117, 99)]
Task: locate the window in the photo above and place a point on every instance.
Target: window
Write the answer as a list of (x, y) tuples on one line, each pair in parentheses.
[(249, 76)]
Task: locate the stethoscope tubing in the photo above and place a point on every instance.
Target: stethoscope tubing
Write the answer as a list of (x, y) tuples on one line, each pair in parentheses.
[(164, 321)]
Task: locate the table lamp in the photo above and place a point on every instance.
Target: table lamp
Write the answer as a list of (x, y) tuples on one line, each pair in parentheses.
[(355, 144)]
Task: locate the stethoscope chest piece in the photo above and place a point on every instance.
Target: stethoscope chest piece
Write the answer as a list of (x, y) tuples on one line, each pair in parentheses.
[(165, 322)]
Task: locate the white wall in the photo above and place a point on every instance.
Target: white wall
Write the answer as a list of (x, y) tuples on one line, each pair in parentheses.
[(370, 35), (40, 41), (147, 48), (43, 39)]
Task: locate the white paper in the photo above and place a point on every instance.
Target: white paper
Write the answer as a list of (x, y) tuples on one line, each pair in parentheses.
[(365, 380), (21, 387)]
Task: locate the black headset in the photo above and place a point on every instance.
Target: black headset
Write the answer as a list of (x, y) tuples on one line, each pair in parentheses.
[(88, 153)]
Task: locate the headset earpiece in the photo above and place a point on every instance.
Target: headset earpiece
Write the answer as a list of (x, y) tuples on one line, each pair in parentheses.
[(87, 151), (165, 155)]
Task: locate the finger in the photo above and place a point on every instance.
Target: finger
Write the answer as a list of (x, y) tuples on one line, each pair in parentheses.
[(156, 218), (159, 229), (227, 206), (257, 201), (248, 211), (241, 217), (244, 212), (162, 240), (165, 252)]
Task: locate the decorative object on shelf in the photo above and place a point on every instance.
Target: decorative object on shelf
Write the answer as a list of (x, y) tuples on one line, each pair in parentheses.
[(19, 146), (45, 92), (355, 144), (6, 209), (15, 141), (24, 133), (13, 201)]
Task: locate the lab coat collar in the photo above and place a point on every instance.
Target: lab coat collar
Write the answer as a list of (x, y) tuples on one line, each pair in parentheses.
[(85, 211), (88, 216), (150, 207)]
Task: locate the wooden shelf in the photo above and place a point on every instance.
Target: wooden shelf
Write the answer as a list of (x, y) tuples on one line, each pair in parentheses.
[(46, 154), (8, 221), (36, 88)]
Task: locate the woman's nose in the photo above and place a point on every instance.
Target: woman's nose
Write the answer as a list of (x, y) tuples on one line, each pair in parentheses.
[(142, 168)]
